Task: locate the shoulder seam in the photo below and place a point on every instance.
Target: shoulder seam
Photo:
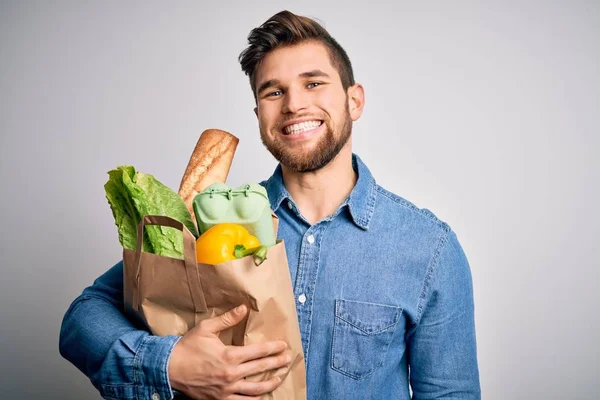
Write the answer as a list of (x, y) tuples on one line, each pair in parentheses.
[(404, 203)]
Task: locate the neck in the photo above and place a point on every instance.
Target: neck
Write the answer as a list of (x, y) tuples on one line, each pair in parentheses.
[(318, 194)]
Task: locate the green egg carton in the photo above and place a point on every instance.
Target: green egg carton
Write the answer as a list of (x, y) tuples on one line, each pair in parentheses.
[(247, 205)]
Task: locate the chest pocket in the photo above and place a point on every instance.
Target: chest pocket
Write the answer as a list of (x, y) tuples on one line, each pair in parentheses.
[(362, 333)]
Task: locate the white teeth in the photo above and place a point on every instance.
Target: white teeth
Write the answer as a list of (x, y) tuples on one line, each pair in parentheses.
[(301, 127)]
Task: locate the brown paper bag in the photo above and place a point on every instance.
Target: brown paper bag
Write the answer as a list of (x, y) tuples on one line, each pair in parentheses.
[(170, 296)]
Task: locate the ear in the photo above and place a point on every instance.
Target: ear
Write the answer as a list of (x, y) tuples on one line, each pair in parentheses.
[(256, 111), (356, 101)]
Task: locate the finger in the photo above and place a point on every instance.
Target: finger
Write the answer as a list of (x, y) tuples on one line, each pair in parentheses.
[(259, 388), (226, 320), (241, 354), (241, 397), (264, 364)]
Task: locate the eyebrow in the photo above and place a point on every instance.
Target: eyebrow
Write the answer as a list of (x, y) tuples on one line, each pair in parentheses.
[(308, 74)]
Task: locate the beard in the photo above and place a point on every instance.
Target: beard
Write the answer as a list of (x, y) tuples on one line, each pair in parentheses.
[(327, 148)]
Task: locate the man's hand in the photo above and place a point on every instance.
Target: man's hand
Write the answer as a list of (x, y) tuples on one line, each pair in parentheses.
[(202, 367)]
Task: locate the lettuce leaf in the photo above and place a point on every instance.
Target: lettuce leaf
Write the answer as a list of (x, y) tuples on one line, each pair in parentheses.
[(132, 194)]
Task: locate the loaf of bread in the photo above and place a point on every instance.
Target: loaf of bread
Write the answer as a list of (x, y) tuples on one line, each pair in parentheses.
[(210, 163)]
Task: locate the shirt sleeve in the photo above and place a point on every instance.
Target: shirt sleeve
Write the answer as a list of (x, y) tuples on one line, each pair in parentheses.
[(121, 360), (442, 347)]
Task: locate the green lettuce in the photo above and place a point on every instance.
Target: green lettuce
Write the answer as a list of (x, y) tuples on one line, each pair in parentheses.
[(131, 195)]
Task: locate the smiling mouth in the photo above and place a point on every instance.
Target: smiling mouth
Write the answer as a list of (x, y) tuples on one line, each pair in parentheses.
[(301, 127)]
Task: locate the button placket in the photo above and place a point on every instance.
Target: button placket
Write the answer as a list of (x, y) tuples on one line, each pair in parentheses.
[(304, 290)]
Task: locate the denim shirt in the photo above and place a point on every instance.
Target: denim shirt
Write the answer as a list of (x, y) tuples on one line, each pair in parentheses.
[(384, 299)]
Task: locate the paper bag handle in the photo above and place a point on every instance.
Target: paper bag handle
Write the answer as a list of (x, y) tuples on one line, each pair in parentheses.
[(189, 255)]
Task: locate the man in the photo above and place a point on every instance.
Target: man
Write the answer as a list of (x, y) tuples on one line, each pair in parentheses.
[(383, 289)]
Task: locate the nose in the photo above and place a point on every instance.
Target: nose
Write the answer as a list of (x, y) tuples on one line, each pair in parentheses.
[(294, 101)]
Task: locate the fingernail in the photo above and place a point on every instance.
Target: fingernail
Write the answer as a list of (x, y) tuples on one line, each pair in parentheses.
[(240, 309)]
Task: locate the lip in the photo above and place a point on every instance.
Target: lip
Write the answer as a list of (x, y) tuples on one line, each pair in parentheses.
[(299, 120), (304, 135)]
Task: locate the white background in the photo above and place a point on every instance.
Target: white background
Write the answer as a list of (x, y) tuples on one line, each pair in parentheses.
[(485, 113)]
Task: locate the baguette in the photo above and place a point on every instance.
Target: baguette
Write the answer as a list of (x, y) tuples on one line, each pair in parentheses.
[(209, 163)]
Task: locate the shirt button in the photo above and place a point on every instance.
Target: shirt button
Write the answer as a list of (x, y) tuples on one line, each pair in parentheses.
[(302, 298), (290, 206), (155, 396), (311, 239)]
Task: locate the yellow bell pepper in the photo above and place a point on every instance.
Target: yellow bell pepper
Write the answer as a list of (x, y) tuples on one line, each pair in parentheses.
[(226, 242)]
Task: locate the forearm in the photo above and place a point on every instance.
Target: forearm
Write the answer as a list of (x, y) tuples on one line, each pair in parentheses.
[(120, 359)]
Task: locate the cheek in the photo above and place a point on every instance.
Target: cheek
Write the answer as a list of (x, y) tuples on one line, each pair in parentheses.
[(334, 105), (266, 117), (337, 114)]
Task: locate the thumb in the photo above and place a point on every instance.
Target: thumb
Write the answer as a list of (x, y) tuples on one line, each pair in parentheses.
[(226, 320)]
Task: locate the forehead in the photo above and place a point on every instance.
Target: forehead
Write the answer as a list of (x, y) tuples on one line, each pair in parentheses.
[(288, 62)]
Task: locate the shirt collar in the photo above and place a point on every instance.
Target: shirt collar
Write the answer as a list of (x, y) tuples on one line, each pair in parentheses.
[(360, 202)]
